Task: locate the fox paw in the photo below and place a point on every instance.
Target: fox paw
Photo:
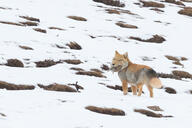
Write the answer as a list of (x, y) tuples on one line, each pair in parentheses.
[(124, 93)]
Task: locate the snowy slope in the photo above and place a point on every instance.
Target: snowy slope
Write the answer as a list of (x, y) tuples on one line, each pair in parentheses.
[(40, 108)]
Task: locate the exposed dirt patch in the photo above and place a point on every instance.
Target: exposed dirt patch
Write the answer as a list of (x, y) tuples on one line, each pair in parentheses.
[(25, 47), (40, 30), (116, 3), (56, 28), (154, 39), (30, 18), (74, 45), (186, 11), (170, 90), (57, 87), (124, 25), (182, 74), (109, 111), (11, 23), (155, 108), (152, 4), (14, 63), (174, 2), (73, 61), (105, 67), (46, 63), (78, 18), (150, 113), (10, 86)]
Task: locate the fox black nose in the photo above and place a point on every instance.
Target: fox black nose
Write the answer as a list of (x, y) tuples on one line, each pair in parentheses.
[(113, 64)]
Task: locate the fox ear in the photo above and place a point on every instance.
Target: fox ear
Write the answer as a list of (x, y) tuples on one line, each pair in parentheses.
[(125, 55), (116, 52)]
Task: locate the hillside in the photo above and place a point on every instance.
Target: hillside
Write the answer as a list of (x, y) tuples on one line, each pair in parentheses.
[(55, 55)]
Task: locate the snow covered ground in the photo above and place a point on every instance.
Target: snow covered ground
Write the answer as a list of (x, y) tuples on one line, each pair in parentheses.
[(40, 108)]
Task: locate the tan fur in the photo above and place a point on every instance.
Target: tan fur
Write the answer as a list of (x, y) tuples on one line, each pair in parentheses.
[(155, 83), (120, 61)]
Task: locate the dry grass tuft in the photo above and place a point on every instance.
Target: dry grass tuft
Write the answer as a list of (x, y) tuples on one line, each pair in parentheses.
[(112, 11), (109, 111), (77, 86), (155, 108), (25, 47), (152, 4), (182, 74), (154, 39), (11, 23), (150, 113), (10, 86), (171, 76), (105, 67), (123, 25), (175, 2), (73, 61), (14, 63), (157, 9), (74, 45), (40, 30), (56, 28), (1, 114), (78, 18), (57, 87), (77, 69), (183, 59), (187, 1), (116, 3), (30, 18), (170, 90), (29, 23), (176, 60), (172, 58), (186, 11), (91, 73), (46, 63)]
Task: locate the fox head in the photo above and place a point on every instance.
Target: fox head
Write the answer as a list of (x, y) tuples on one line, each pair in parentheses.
[(119, 62)]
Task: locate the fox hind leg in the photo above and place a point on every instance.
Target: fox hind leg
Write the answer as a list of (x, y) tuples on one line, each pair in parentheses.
[(125, 87), (134, 90), (140, 88), (150, 90)]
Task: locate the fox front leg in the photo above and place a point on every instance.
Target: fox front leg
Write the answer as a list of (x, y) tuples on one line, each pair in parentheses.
[(125, 87), (134, 89)]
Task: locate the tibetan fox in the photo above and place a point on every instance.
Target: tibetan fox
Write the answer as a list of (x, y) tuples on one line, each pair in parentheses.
[(135, 74)]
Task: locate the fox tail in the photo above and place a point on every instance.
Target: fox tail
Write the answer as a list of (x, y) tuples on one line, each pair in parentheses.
[(155, 83)]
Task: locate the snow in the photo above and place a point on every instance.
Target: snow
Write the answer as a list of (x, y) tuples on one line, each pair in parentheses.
[(40, 108)]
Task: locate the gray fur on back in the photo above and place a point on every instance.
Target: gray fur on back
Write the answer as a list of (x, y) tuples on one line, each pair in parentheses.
[(141, 76)]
